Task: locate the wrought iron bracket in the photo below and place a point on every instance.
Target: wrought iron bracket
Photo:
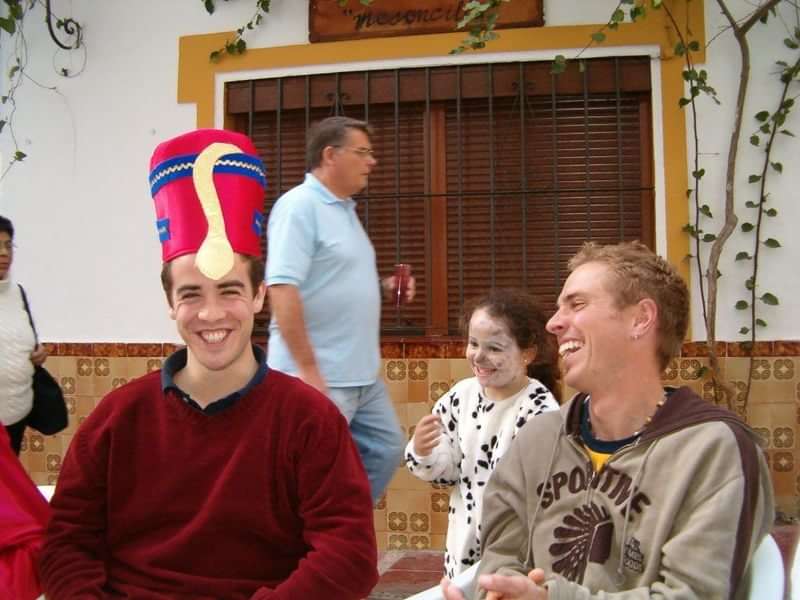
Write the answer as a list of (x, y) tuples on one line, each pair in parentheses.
[(70, 26)]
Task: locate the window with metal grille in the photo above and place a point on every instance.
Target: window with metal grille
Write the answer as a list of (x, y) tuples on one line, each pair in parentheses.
[(488, 175)]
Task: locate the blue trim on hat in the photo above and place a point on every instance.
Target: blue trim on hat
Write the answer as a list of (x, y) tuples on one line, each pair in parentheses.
[(163, 230), (177, 167), (258, 223)]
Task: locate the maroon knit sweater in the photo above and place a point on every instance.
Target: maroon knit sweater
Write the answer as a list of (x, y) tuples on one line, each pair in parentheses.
[(267, 499)]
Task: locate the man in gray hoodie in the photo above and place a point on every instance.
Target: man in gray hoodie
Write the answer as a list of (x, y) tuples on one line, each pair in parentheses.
[(631, 489)]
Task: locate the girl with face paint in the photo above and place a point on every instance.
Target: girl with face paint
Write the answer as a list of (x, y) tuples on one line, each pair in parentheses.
[(514, 365)]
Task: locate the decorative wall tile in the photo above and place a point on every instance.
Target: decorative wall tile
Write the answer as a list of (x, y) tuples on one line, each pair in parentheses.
[(743, 349), (108, 349), (786, 348), (415, 377)]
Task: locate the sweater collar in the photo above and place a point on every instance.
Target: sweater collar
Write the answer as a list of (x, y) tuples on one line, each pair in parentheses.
[(684, 408), (177, 361)]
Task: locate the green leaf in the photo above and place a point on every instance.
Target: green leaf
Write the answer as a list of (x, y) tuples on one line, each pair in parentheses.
[(744, 330), (755, 140), (19, 155), (772, 243), (559, 64), (743, 256), (4, 99), (9, 25), (751, 204), (706, 210), (790, 43), (617, 16), (777, 166), (683, 102), (764, 128), (762, 116), (709, 237), (694, 45), (13, 71), (657, 3), (769, 299), (699, 173), (598, 37), (680, 49), (771, 212), (750, 283), (786, 132), (636, 12), (742, 304), (761, 322), (747, 227), (754, 179), (209, 4), (2, 124), (215, 56)]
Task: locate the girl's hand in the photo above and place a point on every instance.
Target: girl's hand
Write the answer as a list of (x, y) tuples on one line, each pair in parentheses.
[(426, 435)]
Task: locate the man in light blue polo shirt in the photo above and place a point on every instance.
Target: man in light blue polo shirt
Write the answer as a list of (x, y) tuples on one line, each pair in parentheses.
[(325, 293)]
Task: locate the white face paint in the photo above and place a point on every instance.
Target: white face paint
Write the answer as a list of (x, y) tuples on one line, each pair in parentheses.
[(494, 356)]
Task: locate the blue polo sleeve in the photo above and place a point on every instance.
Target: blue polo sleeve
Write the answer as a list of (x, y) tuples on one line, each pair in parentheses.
[(291, 237)]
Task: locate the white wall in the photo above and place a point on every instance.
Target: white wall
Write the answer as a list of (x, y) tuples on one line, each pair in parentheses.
[(777, 268), (88, 252)]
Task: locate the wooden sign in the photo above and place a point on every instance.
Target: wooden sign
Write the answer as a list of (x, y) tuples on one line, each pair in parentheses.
[(328, 21)]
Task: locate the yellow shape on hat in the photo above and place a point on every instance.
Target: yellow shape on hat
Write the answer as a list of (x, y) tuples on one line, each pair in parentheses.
[(215, 257)]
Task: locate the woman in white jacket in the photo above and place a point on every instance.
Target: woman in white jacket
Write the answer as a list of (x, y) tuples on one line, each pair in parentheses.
[(20, 352), (514, 363)]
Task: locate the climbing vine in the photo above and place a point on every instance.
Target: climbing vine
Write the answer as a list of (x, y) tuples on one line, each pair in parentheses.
[(12, 35)]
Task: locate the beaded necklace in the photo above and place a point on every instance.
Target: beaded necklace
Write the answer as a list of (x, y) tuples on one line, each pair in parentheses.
[(647, 421)]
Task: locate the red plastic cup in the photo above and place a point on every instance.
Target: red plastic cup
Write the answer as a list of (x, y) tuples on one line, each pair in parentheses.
[(402, 274)]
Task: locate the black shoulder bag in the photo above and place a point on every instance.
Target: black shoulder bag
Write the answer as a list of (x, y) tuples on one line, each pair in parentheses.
[(49, 412)]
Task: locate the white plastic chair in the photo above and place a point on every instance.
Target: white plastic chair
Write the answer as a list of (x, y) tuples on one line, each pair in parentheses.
[(795, 574), (766, 571), (47, 491), (464, 580)]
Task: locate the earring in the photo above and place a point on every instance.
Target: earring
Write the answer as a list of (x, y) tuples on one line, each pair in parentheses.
[(635, 336)]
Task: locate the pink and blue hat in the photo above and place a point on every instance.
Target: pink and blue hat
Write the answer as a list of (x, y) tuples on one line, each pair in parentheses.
[(208, 187)]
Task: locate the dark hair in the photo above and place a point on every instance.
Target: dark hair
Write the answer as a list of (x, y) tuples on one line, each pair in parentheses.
[(636, 273), (255, 268), (526, 322), (330, 132), (6, 225)]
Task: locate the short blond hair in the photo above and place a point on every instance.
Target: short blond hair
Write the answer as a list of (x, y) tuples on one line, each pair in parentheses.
[(640, 273)]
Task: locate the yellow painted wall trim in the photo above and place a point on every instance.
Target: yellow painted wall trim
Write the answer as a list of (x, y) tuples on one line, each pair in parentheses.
[(196, 75)]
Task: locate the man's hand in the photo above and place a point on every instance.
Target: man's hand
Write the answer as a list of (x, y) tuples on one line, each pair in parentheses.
[(514, 587), (389, 286), (39, 355), (427, 434), (450, 591)]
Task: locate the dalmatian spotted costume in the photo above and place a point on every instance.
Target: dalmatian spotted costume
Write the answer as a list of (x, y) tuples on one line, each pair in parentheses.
[(477, 432)]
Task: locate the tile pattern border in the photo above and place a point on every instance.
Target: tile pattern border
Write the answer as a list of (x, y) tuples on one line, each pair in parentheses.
[(412, 348)]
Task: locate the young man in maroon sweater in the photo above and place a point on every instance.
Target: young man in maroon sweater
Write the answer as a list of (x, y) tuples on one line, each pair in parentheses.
[(215, 477)]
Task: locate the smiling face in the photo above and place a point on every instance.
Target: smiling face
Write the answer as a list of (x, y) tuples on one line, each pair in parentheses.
[(494, 356), (6, 254), (594, 335), (214, 318)]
